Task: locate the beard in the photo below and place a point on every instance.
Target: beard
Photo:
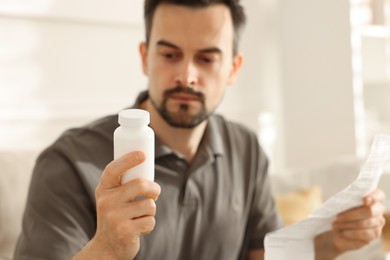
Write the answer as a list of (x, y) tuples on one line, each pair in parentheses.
[(183, 117)]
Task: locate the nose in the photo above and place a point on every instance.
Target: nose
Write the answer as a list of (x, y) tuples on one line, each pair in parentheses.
[(187, 74)]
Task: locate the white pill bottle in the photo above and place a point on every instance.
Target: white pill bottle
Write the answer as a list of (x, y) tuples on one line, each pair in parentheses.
[(134, 134)]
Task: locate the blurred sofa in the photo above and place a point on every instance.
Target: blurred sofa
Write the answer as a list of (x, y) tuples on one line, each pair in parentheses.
[(16, 167), (310, 186)]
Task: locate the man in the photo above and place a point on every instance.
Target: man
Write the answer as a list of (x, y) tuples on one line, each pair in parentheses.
[(215, 200)]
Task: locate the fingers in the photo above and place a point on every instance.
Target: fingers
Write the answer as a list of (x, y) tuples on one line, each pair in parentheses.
[(364, 230), (375, 196), (142, 208), (350, 236), (123, 198), (368, 223), (365, 235), (140, 188), (145, 225), (131, 190), (357, 227), (113, 172), (372, 207), (120, 218), (132, 210), (120, 221), (362, 212)]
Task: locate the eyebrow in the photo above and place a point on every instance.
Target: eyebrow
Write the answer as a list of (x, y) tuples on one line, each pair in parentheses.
[(167, 44), (173, 46)]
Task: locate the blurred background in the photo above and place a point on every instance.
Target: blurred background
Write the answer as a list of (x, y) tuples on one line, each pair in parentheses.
[(315, 82), (315, 87)]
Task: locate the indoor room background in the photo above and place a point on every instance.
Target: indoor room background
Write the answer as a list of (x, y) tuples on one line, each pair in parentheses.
[(315, 85)]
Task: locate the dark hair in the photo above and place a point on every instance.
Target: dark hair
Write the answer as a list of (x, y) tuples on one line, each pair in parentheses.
[(236, 11)]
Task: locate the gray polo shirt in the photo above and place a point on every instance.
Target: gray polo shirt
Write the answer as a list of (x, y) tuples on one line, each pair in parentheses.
[(217, 207)]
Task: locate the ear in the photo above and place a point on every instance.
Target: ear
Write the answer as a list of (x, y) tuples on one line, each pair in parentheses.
[(143, 51), (236, 66)]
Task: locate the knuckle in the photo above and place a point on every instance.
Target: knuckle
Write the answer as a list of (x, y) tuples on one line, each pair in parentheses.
[(97, 191), (371, 210), (376, 209), (148, 225), (158, 189), (107, 170), (381, 209), (377, 232), (142, 185), (152, 223), (102, 204), (151, 206), (150, 203)]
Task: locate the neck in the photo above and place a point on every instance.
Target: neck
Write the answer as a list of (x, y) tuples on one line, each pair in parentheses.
[(184, 141)]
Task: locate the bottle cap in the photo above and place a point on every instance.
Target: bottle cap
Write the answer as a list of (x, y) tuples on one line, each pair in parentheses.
[(134, 117)]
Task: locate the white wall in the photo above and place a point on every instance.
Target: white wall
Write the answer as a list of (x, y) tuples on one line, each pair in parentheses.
[(376, 79), (65, 62), (317, 89)]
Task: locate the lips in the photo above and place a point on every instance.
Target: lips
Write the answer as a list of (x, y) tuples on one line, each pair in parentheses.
[(185, 97)]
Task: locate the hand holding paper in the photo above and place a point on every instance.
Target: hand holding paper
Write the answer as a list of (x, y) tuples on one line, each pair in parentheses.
[(346, 208)]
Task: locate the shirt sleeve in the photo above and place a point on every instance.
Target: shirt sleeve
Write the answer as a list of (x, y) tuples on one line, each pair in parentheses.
[(263, 216), (59, 217)]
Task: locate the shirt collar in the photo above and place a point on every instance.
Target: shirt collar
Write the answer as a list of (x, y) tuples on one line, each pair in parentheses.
[(212, 136)]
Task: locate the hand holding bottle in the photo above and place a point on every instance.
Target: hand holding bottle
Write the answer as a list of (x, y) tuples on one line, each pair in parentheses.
[(121, 220)]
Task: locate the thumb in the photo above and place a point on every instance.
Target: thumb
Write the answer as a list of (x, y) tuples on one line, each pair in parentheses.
[(111, 177)]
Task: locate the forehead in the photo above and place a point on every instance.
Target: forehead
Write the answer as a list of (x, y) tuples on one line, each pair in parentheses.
[(193, 27)]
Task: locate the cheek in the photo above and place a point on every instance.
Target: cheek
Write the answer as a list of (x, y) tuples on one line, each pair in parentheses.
[(158, 77), (162, 74), (215, 93), (217, 80), (159, 81)]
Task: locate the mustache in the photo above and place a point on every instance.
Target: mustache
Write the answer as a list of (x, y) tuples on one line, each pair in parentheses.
[(182, 89)]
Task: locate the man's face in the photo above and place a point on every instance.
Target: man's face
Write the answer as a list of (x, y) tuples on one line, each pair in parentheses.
[(189, 62)]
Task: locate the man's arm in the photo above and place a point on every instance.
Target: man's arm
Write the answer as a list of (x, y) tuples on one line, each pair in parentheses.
[(121, 220)]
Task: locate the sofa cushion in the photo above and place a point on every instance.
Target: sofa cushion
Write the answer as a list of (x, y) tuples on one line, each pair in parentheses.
[(16, 167)]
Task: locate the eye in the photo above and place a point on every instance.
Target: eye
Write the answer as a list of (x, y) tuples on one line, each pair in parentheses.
[(170, 56), (205, 59)]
